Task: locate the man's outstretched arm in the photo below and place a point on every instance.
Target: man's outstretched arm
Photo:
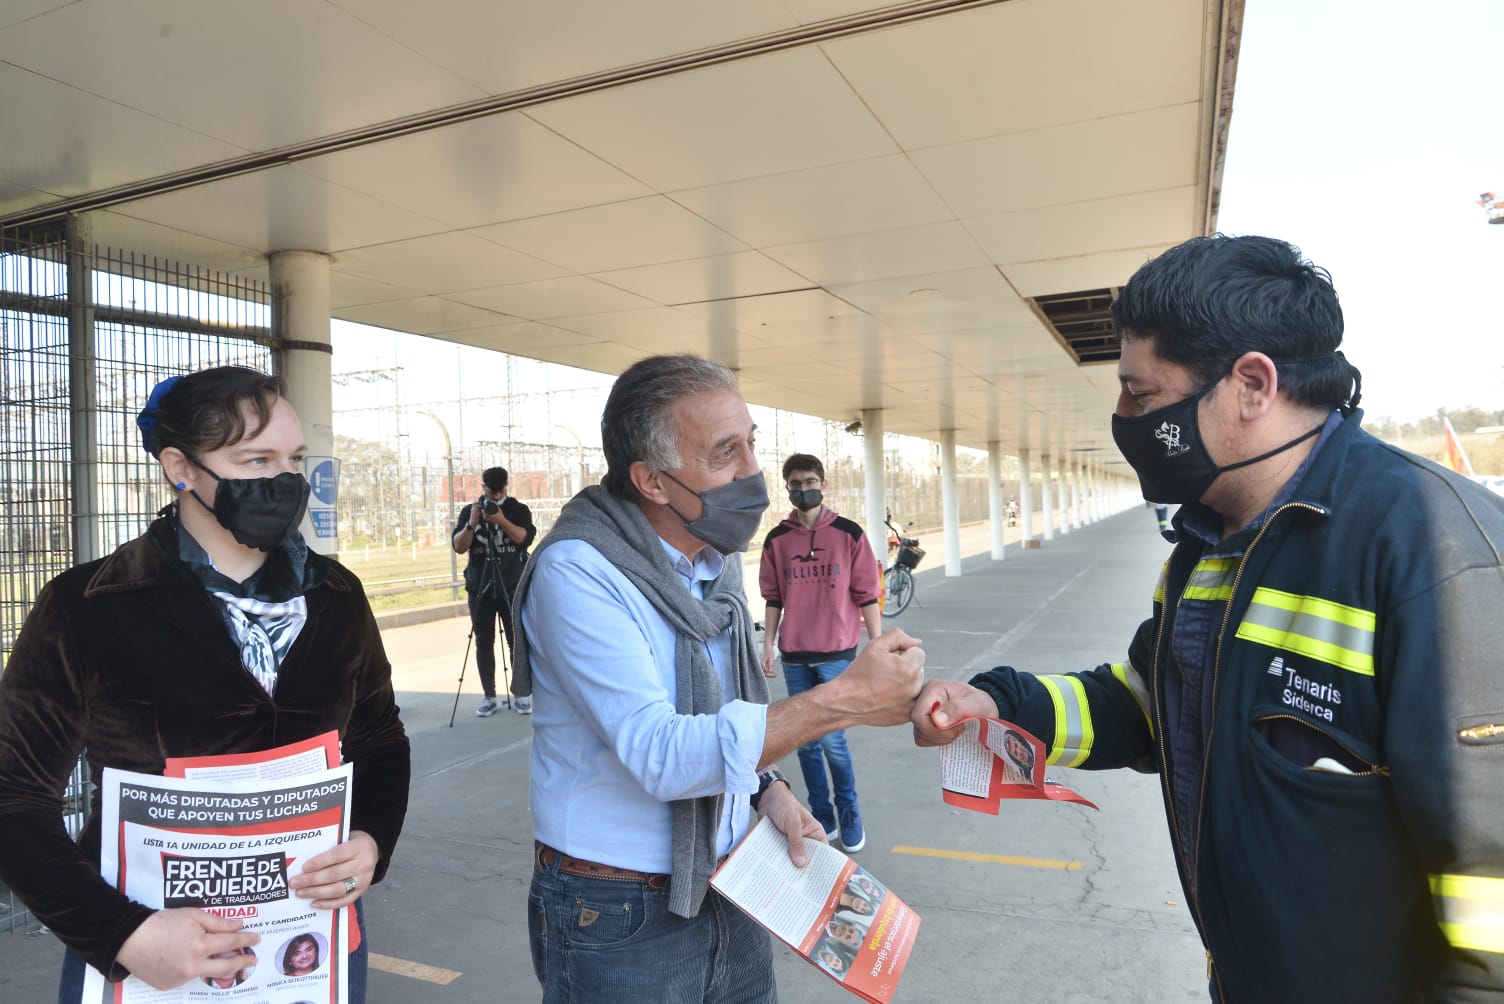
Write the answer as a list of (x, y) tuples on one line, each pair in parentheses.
[(878, 688)]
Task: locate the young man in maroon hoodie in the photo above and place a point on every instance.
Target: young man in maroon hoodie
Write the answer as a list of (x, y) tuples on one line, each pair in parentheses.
[(821, 582)]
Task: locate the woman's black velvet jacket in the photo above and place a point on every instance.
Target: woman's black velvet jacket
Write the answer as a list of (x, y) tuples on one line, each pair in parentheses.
[(127, 660)]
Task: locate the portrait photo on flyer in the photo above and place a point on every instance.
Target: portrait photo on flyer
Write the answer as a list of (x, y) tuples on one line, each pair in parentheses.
[(994, 760), (833, 912)]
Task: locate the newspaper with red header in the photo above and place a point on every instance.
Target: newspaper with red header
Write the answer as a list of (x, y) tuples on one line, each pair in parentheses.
[(308, 756), (832, 911), (226, 838), (993, 760)]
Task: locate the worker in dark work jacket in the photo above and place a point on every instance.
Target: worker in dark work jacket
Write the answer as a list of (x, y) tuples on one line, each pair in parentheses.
[(1319, 686)]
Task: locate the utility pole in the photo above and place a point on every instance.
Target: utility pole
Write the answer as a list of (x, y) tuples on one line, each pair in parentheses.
[(454, 559)]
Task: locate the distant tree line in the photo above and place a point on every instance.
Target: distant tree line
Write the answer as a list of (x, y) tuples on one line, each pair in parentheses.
[(1464, 420), (1425, 436)]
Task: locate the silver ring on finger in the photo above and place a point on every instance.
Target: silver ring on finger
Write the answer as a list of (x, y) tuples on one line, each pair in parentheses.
[(350, 884)]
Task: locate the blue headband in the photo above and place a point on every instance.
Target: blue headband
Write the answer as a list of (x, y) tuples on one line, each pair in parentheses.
[(147, 420)]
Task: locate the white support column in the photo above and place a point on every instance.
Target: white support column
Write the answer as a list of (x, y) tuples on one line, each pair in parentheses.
[(877, 490), (1094, 492), (1088, 493), (1025, 499), (949, 507), (1063, 489), (300, 323), (1063, 485), (995, 497), (1075, 495), (1046, 484), (1047, 499), (1062, 482)]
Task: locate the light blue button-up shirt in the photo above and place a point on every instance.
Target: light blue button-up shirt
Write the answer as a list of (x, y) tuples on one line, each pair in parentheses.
[(609, 750)]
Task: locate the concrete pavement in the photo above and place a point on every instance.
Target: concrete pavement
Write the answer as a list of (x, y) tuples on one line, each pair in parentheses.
[(1044, 902)]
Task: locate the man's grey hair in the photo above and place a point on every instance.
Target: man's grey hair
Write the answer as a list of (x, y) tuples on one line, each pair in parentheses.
[(639, 422)]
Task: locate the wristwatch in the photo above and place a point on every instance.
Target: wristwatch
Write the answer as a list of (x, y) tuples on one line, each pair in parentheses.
[(765, 780)]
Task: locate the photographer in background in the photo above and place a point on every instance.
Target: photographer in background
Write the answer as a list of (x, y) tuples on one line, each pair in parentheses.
[(496, 530)]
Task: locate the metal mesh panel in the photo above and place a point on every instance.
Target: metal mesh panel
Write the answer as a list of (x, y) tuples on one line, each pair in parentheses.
[(150, 319), (155, 319), (35, 535)]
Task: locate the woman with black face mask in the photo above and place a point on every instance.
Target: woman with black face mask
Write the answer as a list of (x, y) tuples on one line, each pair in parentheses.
[(215, 632)]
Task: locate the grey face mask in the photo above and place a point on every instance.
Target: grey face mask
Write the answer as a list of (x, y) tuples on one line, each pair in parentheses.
[(732, 512)]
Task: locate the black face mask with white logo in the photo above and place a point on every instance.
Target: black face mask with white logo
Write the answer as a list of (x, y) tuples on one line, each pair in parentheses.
[(1165, 450)]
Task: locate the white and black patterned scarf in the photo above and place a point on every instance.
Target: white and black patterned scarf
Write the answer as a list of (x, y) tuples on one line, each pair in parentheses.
[(264, 631), (265, 613)]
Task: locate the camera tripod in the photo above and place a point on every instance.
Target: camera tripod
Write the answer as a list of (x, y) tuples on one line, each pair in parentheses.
[(491, 576)]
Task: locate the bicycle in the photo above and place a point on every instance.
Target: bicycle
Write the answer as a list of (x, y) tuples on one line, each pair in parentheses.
[(898, 577)]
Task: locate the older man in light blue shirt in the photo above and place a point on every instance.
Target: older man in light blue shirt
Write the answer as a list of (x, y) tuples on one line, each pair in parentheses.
[(609, 751), (652, 731)]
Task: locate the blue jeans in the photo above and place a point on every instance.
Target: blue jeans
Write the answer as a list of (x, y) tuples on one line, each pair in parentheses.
[(829, 750), (71, 983), (600, 940)]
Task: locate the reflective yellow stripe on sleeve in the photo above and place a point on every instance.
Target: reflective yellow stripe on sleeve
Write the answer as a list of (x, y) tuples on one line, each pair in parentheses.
[(1125, 674), (1339, 635), (1073, 731), (1470, 910)]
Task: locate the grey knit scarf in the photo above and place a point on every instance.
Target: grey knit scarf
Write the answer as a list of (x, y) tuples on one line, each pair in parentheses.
[(622, 534)]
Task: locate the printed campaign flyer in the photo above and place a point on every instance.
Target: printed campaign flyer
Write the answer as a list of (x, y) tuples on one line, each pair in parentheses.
[(310, 756), (832, 911), (993, 760), (229, 847), (307, 757)]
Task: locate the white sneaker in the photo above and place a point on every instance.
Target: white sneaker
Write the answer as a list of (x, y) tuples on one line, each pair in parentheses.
[(523, 705), (487, 708)]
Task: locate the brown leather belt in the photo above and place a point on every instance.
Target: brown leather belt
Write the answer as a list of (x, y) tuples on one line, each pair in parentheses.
[(544, 857)]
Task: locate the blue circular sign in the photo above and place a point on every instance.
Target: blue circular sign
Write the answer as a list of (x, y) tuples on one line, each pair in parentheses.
[(324, 481)]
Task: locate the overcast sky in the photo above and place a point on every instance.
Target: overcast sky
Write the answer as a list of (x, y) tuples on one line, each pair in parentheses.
[(1364, 133)]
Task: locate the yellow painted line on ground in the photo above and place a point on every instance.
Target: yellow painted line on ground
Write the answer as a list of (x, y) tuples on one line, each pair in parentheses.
[(414, 970), (997, 859)]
